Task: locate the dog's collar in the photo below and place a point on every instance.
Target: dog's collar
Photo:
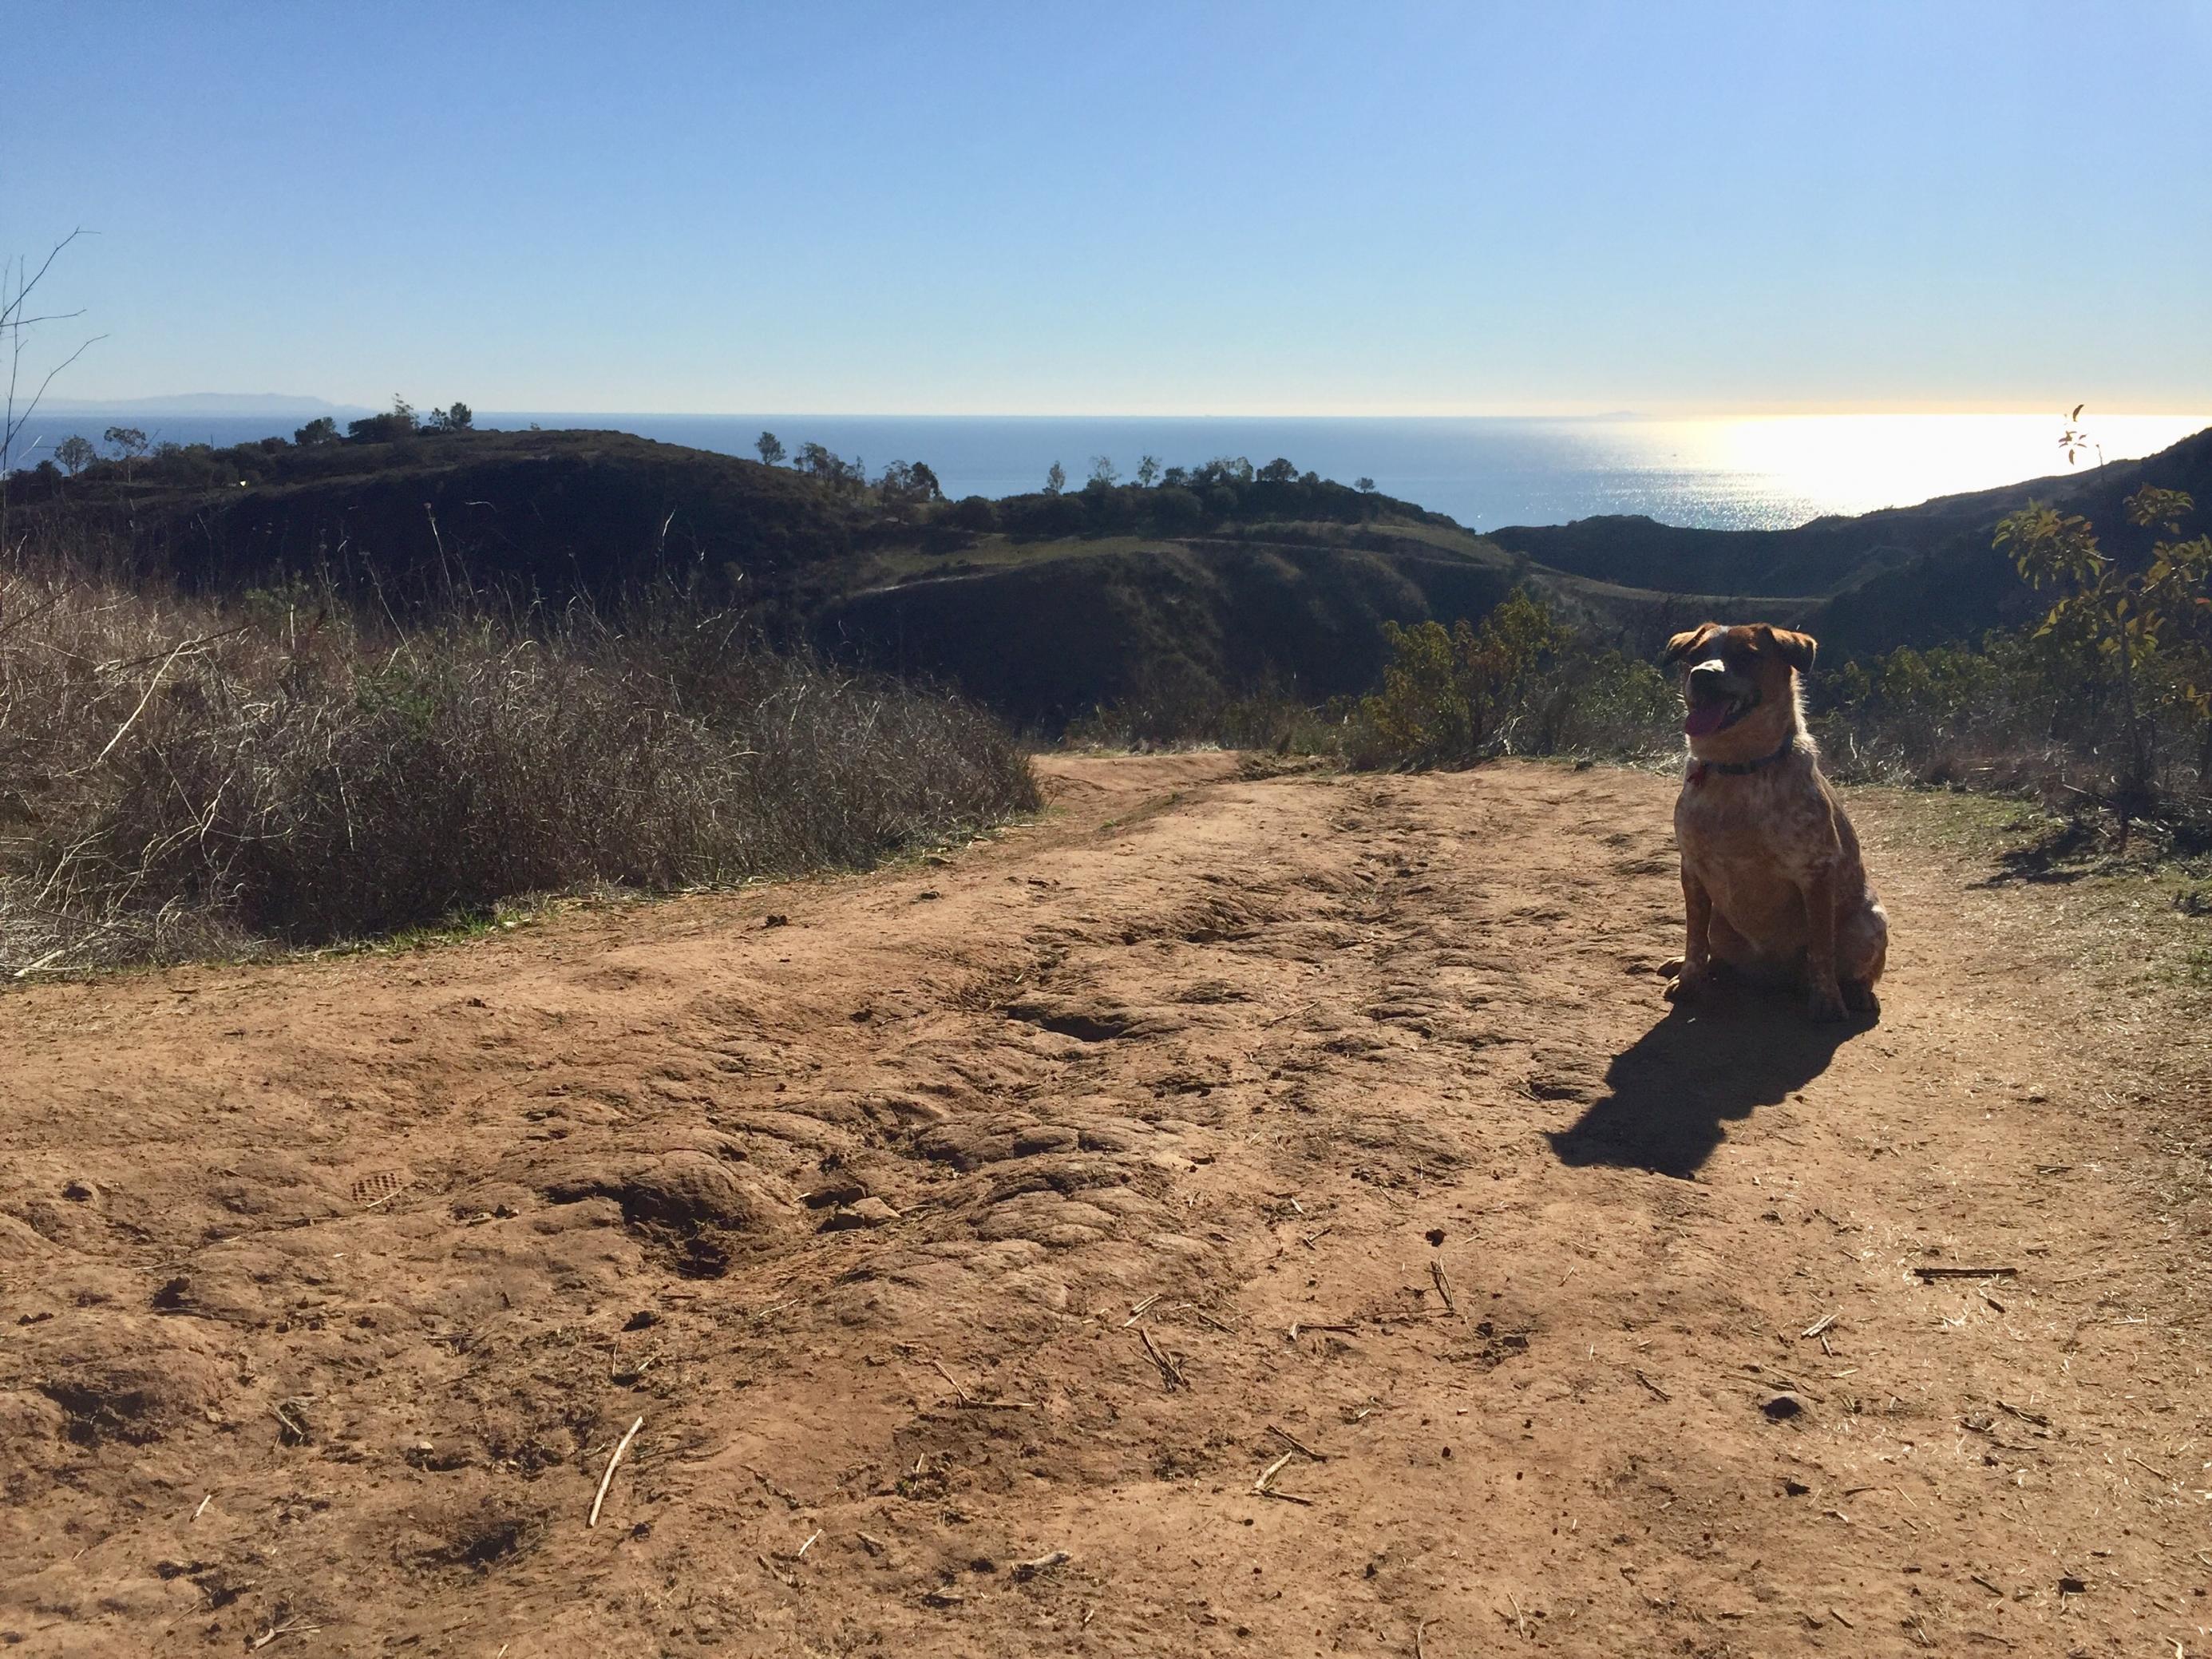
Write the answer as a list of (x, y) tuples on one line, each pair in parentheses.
[(1699, 769)]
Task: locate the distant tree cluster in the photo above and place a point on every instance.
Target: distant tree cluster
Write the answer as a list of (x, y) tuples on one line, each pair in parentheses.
[(909, 483), (127, 453), (129, 446), (901, 485), (73, 454), (398, 422), (1167, 500)]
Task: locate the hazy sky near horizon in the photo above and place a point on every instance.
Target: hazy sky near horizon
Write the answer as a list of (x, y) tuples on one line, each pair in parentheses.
[(1054, 208)]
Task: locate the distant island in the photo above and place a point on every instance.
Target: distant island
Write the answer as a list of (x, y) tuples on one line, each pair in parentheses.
[(201, 403)]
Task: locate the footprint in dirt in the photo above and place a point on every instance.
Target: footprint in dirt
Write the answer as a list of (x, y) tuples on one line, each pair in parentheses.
[(1673, 1089)]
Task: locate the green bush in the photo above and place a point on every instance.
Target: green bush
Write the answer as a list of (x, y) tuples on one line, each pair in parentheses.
[(1518, 683), (972, 512), (2037, 712)]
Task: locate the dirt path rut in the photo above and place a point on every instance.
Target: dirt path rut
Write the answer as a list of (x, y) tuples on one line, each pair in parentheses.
[(972, 1241)]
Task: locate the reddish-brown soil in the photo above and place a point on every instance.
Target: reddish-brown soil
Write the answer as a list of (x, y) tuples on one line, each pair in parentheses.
[(1028, 1204)]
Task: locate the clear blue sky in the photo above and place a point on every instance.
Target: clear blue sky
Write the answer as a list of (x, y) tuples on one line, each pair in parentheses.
[(1055, 208)]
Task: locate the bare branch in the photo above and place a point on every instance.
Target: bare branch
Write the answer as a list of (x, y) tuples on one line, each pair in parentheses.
[(23, 289), (17, 423)]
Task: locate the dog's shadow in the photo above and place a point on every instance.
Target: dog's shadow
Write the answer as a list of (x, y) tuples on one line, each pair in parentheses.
[(1671, 1090)]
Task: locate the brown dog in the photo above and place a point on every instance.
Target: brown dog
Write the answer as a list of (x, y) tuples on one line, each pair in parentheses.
[(1770, 872)]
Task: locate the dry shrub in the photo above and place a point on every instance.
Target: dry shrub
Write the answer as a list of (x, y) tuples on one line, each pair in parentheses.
[(181, 775)]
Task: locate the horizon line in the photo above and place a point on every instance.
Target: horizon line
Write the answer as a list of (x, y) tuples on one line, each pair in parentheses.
[(268, 403)]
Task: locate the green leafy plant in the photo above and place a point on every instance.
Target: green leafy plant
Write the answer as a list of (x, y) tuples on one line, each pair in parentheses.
[(1449, 695), (2145, 625)]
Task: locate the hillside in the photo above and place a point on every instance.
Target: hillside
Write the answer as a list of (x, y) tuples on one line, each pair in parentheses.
[(1047, 637), (1910, 575), (1044, 605), (552, 513)]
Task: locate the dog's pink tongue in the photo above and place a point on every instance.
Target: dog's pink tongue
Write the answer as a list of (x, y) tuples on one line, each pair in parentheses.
[(1703, 718)]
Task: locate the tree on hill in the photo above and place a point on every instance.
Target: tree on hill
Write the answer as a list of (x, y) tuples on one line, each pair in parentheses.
[(459, 418), (826, 467), (1364, 486), (770, 447), (1055, 480), (321, 430), (1104, 475), (2146, 627), (973, 512), (389, 428), (75, 454), (128, 442), (1175, 509), (1224, 470), (1279, 471), (909, 485), (1148, 471)]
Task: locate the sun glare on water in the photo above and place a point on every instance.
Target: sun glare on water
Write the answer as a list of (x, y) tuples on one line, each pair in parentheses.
[(1857, 463)]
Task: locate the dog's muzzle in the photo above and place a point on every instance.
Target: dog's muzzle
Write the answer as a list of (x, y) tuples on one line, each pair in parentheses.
[(1718, 699)]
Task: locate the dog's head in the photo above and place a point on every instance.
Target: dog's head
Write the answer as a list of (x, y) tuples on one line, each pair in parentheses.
[(1739, 685)]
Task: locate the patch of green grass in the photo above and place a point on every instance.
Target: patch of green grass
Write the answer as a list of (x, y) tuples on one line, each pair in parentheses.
[(2144, 919), (1960, 820), (502, 918), (1450, 538), (998, 551)]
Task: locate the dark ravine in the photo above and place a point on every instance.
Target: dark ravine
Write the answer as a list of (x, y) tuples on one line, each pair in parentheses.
[(1184, 619)]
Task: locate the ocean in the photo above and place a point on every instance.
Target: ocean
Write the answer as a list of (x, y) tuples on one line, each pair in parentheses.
[(1765, 472)]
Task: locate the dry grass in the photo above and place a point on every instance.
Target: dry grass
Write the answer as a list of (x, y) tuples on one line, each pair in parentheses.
[(183, 775)]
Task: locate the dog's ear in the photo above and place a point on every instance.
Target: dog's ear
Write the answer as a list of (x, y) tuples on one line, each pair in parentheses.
[(1682, 644), (1796, 649)]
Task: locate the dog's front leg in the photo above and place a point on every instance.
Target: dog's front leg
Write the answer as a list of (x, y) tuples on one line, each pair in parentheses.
[(1696, 944), (1825, 999)]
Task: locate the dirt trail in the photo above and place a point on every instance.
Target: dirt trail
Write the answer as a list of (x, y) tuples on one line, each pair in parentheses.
[(1039, 1200)]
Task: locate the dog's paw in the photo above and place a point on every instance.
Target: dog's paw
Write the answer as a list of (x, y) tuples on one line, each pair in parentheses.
[(1690, 986), (1825, 1006), (1672, 967)]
